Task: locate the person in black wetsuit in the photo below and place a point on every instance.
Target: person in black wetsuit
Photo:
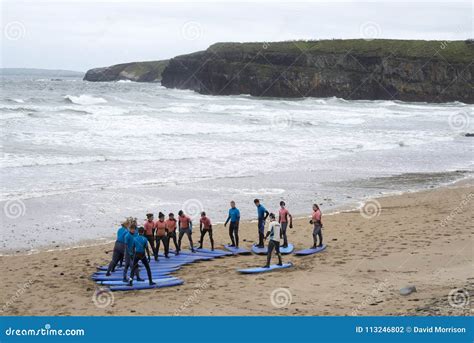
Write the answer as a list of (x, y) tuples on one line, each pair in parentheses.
[(234, 218), (275, 234)]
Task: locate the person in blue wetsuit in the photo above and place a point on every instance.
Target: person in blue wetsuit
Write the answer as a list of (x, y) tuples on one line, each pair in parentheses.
[(119, 247), (262, 217), (129, 241), (140, 245), (234, 218)]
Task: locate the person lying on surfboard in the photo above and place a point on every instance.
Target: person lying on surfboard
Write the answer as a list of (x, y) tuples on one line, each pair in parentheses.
[(234, 217), (184, 225), (171, 229), (119, 247), (161, 235), (149, 226), (274, 232), (262, 217), (283, 216), (140, 245), (317, 227), (129, 252), (205, 226)]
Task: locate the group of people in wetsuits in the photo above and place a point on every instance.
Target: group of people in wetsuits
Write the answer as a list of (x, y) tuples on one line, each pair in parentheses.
[(133, 242)]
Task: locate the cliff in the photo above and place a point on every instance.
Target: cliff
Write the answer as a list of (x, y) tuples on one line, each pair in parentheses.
[(136, 71), (408, 70)]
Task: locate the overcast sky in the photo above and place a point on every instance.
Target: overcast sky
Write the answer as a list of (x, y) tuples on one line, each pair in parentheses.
[(78, 35)]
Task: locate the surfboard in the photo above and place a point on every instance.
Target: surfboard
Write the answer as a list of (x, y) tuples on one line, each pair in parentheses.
[(237, 251), (101, 278), (121, 283), (259, 251), (306, 252), (215, 252), (137, 286), (264, 270), (263, 251)]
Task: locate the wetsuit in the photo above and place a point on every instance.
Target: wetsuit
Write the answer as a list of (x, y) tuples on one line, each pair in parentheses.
[(129, 241), (185, 228), (140, 244), (171, 226), (234, 218), (317, 228), (206, 227), (161, 237), (150, 235), (274, 231), (119, 249), (262, 216), (283, 217)]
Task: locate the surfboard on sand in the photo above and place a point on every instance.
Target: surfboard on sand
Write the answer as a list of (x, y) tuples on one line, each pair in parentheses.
[(237, 251), (264, 270), (311, 251), (263, 251)]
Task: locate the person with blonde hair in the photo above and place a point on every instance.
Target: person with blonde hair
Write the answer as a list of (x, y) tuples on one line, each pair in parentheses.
[(119, 247)]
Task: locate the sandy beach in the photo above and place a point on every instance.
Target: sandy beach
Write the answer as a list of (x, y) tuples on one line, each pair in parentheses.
[(422, 239)]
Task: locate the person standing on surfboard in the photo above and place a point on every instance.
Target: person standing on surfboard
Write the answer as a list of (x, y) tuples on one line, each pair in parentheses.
[(317, 226), (129, 241), (274, 231), (140, 245), (283, 216), (171, 228), (205, 226), (184, 225), (234, 217), (262, 217), (119, 247), (161, 235), (149, 226)]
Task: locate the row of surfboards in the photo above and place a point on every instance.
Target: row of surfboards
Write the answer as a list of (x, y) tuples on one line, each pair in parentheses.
[(161, 270)]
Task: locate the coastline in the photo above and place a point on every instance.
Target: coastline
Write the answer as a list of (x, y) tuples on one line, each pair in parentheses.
[(405, 242)]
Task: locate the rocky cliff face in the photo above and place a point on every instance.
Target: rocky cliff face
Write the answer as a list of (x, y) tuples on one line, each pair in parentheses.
[(135, 71), (350, 69)]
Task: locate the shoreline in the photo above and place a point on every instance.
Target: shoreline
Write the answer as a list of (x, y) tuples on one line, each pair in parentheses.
[(355, 205), (413, 240)]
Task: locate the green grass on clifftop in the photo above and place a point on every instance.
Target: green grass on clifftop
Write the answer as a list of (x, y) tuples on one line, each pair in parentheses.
[(452, 51)]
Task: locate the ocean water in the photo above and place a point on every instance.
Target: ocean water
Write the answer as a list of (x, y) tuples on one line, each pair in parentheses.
[(78, 156)]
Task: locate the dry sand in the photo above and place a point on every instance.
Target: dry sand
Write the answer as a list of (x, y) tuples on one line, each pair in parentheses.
[(422, 239)]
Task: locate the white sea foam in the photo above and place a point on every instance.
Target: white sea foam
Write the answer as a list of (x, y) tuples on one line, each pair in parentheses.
[(85, 99)]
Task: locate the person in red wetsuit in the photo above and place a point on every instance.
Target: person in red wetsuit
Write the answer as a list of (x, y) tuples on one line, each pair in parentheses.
[(284, 216), (161, 235), (171, 227), (184, 225), (317, 226), (206, 227), (149, 226)]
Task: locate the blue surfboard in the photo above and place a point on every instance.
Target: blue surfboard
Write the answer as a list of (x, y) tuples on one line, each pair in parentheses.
[(121, 283), (263, 251), (237, 251), (264, 270), (215, 252), (306, 252), (137, 286)]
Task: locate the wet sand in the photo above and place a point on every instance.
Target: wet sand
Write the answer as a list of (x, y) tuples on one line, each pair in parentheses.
[(422, 239)]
